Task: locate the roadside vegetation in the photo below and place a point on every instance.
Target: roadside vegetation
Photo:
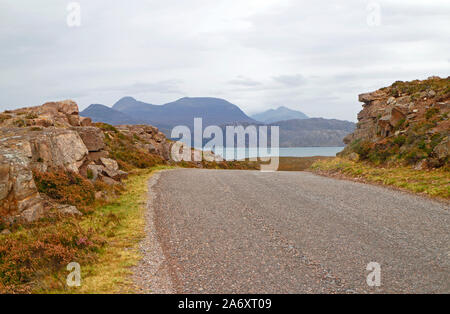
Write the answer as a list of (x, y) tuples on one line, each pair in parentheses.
[(430, 182), (33, 258)]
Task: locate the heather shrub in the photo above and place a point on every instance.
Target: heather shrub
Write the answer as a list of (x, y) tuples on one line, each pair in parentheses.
[(66, 187), (42, 249)]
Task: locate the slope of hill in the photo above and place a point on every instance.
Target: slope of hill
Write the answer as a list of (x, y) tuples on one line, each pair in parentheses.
[(101, 113), (279, 114), (314, 132)]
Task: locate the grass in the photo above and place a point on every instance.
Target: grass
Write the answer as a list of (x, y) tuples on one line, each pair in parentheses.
[(298, 163), (111, 272), (104, 242), (433, 183)]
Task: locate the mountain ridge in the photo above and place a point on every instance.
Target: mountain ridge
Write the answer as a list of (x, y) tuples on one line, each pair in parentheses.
[(215, 111), (282, 113)]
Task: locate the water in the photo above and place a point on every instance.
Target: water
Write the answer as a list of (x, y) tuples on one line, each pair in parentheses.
[(241, 153)]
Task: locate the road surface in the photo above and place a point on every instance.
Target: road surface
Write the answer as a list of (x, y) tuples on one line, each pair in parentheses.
[(224, 231)]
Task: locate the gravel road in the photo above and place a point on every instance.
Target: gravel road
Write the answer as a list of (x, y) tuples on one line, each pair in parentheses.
[(295, 232)]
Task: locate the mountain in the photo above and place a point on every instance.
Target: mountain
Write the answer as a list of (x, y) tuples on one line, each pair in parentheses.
[(101, 113), (214, 111), (314, 132), (279, 114)]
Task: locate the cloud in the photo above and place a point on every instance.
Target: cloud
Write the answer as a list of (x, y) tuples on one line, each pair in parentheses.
[(291, 80), (243, 81), (312, 56)]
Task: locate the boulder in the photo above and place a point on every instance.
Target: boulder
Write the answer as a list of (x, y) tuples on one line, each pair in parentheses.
[(92, 137), (109, 181), (19, 198), (68, 210), (369, 97), (442, 149), (61, 148), (93, 171), (85, 121), (110, 164)]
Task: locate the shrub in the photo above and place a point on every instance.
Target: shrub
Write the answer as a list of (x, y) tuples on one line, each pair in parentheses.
[(66, 187), (362, 148), (20, 123), (399, 140), (4, 117), (42, 249), (431, 112), (106, 127), (31, 115)]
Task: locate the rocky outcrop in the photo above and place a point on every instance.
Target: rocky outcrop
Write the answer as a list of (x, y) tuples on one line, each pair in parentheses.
[(407, 121), (54, 136), (148, 138), (92, 137)]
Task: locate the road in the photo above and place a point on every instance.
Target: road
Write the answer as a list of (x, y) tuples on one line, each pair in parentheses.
[(226, 231)]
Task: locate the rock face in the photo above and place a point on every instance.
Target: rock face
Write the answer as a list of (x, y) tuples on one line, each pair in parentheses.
[(150, 139), (54, 136), (408, 121), (92, 137)]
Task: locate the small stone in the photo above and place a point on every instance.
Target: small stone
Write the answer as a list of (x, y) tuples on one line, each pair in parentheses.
[(5, 232), (69, 210)]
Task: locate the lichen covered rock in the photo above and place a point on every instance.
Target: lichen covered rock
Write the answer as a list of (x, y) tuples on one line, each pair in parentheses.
[(406, 122)]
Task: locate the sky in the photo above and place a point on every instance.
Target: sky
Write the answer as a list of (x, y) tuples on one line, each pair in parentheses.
[(312, 56)]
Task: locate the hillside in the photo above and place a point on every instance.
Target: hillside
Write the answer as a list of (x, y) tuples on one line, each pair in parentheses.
[(405, 123), (314, 132), (279, 114)]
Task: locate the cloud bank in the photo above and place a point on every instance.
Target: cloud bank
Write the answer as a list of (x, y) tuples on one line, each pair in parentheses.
[(259, 54)]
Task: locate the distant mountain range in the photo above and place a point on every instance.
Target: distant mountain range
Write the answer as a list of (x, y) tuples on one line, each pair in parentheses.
[(296, 129), (214, 111), (279, 114), (101, 113)]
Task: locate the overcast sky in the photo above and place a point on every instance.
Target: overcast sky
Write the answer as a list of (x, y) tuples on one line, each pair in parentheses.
[(314, 56)]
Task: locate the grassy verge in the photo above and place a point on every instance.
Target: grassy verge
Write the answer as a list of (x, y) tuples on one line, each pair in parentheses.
[(298, 163), (104, 242), (434, 183)]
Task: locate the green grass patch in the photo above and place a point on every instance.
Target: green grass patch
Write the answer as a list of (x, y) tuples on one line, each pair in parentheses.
[(434, 183)]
